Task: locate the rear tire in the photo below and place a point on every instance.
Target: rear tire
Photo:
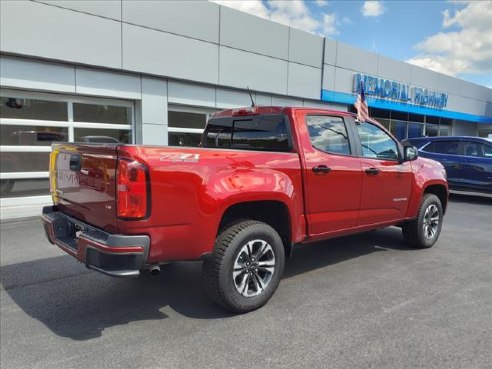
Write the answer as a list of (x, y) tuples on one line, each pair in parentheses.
[(424, 231), (246, 266)]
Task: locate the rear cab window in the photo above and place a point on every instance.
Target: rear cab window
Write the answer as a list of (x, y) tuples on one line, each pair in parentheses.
[(268, 132)]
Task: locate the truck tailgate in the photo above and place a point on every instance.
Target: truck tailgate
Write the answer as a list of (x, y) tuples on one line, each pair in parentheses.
[(83, 184)]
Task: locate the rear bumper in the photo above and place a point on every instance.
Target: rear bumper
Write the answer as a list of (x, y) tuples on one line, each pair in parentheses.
[(114, 255)]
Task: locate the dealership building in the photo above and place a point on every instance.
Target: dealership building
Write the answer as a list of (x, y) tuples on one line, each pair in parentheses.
[(150, 72)]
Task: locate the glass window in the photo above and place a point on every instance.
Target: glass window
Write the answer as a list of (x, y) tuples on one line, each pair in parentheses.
[(432, 119), (415, 130), (431, 130), (98, 135), (184, 139), (102, 114), (19, 108), (24, 162), (24, 187), (186, 120), (385, 122), (376, 143), (260, 132), (218, 133), (264, 132), (444, 147), (32, 135), (477, 149), (443, 131), (487, 150), (399, 115), (416, 118), (399, 129), (328, 134), (379, 113)]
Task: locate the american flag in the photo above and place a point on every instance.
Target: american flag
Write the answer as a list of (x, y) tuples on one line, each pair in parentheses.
[(361, 105)]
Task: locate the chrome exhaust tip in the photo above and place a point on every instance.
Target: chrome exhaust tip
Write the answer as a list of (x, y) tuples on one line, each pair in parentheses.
[(155, 270)]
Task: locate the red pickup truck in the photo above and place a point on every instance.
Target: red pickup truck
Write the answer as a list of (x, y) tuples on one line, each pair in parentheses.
[(265, 179)]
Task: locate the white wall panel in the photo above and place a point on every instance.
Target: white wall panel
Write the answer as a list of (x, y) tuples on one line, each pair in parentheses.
[(330, 51), (465, 105), (247, 32), (154, 101), (321, 105), (191, 94), (329, 77), (262, 99), (232, 99), (393, 69), (35, 75), (473, 91), (241, 69), (103, 8), (197, 19), (37, 29), (344, 80), (106, 83), (169, 55), (304, 81), (286, 101), (154, 134), (349, 57), (461, 128), (424, 78), (305, 48), (447, 84)]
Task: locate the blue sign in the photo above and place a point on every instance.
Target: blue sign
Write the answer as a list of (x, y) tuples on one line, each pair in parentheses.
[(401, 92)]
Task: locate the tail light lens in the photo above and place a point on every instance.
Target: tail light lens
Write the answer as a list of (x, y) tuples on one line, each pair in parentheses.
[(132, 190)]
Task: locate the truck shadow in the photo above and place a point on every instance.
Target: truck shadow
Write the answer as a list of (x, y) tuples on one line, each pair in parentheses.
[(80, 304), (471, 198)]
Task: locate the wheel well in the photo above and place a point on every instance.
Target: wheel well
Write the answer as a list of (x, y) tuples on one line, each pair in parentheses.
[(441, 193), (273, 213)]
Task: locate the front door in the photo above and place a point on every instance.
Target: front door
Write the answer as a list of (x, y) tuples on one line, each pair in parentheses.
[(332, 174), (386, 183)]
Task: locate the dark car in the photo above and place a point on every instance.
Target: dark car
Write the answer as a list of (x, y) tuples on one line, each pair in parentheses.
[(468, 160)]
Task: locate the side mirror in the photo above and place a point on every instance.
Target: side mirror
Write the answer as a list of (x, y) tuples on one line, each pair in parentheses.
[(410, 153)]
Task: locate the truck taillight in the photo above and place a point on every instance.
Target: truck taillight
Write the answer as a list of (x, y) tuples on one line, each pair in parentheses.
[(132, 190)]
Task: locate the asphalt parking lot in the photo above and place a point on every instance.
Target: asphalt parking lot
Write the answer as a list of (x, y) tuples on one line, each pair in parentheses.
[(366, 301)]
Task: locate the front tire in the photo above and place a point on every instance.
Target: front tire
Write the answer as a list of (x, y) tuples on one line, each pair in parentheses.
[(246, 266), (424, 231)]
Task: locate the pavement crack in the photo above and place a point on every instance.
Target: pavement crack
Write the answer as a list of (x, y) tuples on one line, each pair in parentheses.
[(22, 285)]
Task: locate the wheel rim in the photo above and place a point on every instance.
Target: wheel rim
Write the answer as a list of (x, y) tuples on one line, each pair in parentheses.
[(254, 268), (431, 221)]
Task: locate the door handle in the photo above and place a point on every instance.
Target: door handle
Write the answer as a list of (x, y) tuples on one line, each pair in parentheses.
[(321, 169), (372, 171)]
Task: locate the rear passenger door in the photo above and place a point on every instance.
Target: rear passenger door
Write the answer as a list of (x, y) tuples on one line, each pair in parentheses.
[(386, 182), (447, 152), (331, 172), (477, 166)]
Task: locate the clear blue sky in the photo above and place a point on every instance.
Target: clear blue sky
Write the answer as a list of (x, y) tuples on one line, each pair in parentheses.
[(452, 37)]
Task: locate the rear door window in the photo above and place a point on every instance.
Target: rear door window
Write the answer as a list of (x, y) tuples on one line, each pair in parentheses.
[(444, 147), (477, 149), (328, 134)]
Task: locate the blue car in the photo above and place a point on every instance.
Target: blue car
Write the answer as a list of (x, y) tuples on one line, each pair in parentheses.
[(468, 160)]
